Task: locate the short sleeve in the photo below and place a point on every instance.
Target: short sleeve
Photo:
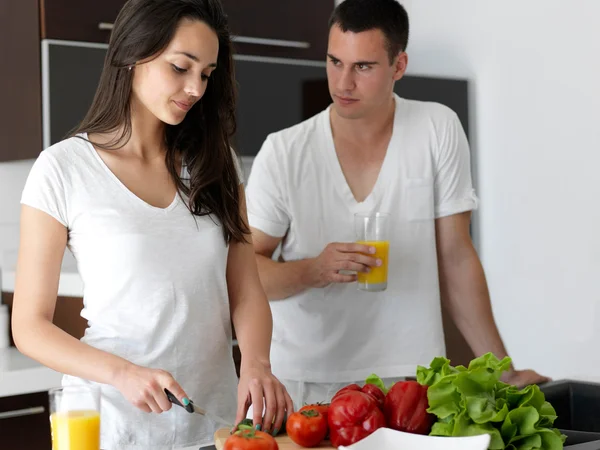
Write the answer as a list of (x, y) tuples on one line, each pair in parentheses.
[(44, 188), (266, 193), (454, 191)]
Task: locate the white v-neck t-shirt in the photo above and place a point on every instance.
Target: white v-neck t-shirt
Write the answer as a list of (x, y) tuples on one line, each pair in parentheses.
[(155, 293), (297, 190)]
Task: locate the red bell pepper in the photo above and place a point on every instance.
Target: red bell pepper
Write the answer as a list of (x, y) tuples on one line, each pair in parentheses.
[(369, 389), (352, 416), (375, 392), (406, 406)]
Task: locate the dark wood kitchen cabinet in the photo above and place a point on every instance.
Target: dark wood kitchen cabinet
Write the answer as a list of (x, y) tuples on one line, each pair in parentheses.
[(20, 80), (78, 20), (24, 422), (265, 28), (277, 28), (280, 28), (23, 23)]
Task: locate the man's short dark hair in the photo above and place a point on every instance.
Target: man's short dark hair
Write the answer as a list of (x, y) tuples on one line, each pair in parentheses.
[(389, 16)]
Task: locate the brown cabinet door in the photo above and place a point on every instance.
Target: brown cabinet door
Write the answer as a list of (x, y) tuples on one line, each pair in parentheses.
[(290, 28), (20, 85), (280, 28), (25, 422), (78, 20)]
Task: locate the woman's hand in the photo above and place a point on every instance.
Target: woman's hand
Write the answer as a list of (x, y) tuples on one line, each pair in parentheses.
[(145, 388), (259, 387)]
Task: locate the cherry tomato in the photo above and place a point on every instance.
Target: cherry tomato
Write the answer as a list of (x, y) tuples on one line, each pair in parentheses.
[(248, 439), (307, 428)]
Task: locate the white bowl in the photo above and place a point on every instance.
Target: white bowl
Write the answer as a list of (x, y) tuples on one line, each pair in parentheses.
[(388, 439)]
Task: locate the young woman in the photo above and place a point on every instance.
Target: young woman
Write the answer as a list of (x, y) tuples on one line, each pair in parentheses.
[(147, 196)]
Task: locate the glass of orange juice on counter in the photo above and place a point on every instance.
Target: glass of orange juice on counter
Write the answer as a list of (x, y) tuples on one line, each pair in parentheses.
[(75, 418), (373, 230)]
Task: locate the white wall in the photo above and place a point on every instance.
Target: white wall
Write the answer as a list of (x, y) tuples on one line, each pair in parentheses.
[(535, 75)]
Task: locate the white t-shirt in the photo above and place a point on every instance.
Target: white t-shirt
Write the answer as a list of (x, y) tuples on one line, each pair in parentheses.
[(155, 293), (297, 190)]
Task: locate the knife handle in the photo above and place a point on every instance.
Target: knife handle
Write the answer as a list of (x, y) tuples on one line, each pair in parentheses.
[(189, 408)]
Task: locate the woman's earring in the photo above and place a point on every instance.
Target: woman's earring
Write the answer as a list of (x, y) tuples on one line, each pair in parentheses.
[(130, 67)]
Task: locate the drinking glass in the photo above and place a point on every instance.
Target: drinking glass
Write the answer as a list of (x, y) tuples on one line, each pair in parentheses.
[(75, 418), (373, 230)]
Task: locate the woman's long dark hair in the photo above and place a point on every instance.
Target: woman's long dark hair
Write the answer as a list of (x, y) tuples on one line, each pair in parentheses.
[(143, 29)]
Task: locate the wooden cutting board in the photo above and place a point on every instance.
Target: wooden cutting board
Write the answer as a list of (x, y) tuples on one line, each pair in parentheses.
[(284, 442)]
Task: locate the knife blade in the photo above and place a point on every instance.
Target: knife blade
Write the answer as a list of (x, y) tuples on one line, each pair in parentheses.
[(193, 408)]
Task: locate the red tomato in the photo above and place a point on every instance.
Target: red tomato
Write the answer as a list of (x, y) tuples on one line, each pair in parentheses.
[(250, 440), (323, 408), (306, 428)]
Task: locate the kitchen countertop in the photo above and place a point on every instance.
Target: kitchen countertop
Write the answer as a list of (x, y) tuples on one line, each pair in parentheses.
[(587, 446), (20, 374)]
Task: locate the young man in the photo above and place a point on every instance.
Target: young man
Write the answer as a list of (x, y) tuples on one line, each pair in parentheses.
[(370, 151)]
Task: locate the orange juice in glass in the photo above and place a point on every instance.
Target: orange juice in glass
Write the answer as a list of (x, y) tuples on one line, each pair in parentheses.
[(75, 418), (372, 230)]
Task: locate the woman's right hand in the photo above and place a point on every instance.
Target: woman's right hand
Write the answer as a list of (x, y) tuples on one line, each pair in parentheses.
[(145, 388)]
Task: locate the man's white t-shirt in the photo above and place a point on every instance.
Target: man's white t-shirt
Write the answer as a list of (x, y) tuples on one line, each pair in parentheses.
[(155, 293), (297, 191)]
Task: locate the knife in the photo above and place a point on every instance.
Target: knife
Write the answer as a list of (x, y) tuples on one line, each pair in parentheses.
[(192, 408)]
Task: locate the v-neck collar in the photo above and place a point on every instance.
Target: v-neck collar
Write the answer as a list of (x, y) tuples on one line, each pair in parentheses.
[(338, 174), (122, 185)]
